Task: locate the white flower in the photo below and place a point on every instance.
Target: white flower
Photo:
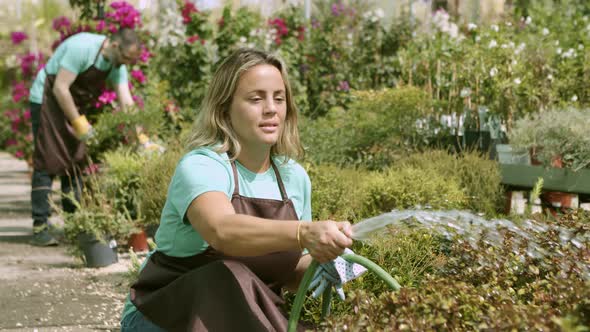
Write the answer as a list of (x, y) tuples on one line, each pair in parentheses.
[(504, 46), (569, 54), (557, 43), (509, 23), (574, 98), (545, 31), (243, 40), (580, 47), (520, 48), (559, 50), (517, 81), (495, 27), (550, 77), (465, 92), (471, 26), (493, 72), (477, 39), (379, 13), (514, 62), (528, 20), (493, 43)]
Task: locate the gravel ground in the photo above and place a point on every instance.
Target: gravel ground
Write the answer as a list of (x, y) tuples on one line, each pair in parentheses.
[(46, 289)]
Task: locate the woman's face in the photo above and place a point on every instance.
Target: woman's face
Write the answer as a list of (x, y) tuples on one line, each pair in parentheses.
[(259, 106)]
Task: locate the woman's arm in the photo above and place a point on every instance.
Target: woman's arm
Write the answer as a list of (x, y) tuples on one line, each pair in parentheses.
[(213, 216)]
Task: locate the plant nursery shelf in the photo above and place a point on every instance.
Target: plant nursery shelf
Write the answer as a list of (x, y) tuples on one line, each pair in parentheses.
[(558, 179)]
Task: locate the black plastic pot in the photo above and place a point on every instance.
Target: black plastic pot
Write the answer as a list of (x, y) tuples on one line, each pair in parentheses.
[(97, 253)]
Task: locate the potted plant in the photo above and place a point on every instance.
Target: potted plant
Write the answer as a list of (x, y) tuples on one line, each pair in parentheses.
[(93, 227), (120, 181), (556, 138)]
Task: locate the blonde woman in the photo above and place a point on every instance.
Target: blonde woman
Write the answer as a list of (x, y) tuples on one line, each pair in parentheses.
[(234, 225)]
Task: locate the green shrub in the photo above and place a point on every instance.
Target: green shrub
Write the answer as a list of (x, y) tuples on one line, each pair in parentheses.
[(155, 177), (478, 177), (409, 187), (380, 127), (495, 288), (337, 193), (120, 179)]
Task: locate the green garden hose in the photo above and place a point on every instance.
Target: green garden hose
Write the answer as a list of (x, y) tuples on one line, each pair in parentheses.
[(300, 297)]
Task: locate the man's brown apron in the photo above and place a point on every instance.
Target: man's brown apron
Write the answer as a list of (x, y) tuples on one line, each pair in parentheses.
[(57, 150), (214, 292)]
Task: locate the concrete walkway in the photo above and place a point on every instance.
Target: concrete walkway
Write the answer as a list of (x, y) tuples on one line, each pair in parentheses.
[(46, 289)]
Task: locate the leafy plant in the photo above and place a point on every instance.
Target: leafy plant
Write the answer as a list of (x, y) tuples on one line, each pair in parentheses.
[(555, 134), (153, 180)]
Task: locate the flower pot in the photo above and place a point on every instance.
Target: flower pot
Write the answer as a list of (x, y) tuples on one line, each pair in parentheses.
[(560, 199), (97, 253), (138, 241), (509, 155)]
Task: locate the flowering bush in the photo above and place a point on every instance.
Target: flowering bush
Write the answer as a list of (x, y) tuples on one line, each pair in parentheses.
[(15, 125), (184, 50)]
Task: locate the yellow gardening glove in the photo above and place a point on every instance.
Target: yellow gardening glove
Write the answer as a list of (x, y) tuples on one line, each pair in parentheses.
[(82, 128)]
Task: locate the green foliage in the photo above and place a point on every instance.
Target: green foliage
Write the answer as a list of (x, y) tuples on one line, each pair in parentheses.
[(154, 178), (96, 214), (120, 181), (409, 187), (233, 27), (478, 177), (555, 133), (337, 193), (116, 129), (485, 288), (380, 127)]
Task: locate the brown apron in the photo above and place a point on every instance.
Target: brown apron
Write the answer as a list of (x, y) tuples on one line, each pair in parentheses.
[(57, 150), (211, 291)]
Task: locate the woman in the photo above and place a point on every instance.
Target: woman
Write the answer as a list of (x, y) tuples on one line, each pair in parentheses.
[(231, 232)]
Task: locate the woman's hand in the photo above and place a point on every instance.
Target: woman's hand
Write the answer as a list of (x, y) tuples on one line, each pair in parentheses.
[(325, 240)]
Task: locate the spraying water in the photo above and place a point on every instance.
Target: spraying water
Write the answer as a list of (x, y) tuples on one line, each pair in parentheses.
[(474, 229)]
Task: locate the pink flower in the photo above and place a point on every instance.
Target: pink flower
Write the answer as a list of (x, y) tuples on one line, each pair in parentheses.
[(27, 115), (61, 24), (101, 25), (138, 101), (29, 63), (188, 9), (113, 28), (29, 137), (91, 169), (105, 98), (19, 91), (138, 75), (192, 39), (10, 142), (18, 37), (343, 86), (125, 15), (281, 27), (145, 55), (19, 154)]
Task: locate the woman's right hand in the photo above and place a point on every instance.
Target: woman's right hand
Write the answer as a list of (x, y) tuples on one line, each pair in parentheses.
[(325, 240)]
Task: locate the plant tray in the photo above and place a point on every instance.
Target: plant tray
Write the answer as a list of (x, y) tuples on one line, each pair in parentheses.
[(557, 179)]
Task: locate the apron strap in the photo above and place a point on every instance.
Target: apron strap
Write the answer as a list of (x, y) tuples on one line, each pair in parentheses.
[(277, 174)]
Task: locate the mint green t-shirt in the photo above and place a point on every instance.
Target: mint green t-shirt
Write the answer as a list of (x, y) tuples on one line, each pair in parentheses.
[(204, 170), (76, 54)]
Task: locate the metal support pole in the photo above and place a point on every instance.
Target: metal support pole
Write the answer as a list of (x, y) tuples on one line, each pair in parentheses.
[(307, 9)]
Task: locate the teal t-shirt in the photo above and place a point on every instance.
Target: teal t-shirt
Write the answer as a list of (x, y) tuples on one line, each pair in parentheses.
[(204, 170), (77, 54)]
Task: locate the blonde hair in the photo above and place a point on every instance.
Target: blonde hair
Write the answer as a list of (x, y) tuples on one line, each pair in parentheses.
[(212, 126)]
